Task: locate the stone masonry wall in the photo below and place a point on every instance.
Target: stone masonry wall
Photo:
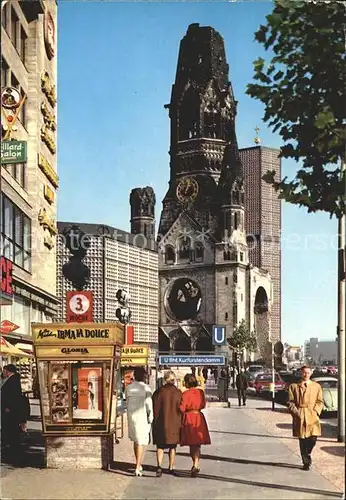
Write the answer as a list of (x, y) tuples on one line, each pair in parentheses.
[(79, 452)]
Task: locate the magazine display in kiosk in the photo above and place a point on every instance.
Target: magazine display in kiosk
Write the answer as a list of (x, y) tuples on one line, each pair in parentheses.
[(78, 366)]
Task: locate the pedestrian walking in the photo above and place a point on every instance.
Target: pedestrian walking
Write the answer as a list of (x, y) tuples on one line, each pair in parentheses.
[(305, 405), (241, 383), (139, 415), (194, 431), (13, 412), (167, 421)]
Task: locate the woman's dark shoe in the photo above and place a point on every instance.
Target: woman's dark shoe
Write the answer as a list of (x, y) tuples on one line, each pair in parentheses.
[(159, 472), (172, 472), (194, 471)]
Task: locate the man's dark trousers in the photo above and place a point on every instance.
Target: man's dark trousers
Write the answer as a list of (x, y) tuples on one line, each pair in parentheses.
[(241, 396), (306, 446)]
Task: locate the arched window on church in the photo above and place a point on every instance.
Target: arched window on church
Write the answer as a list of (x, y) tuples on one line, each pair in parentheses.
[(199, 252), (212, 124), (236, 220), (189, 116), (226, 255), (169, 255), (185, 249)]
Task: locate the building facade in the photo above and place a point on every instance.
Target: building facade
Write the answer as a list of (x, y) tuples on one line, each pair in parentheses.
[(117, 260), (263, 221), (206, 277), (293, 354), (321, 352), (29, 179)]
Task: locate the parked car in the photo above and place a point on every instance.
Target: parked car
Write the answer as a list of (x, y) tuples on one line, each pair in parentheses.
[(251, 379), (254, 370), (263, 381), (330, 393)]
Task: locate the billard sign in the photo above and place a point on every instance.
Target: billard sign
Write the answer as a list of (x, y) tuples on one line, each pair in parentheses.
[(79, 307)]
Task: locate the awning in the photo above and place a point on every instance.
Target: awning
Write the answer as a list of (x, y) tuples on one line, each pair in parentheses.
[(25, 347), (8, 349)]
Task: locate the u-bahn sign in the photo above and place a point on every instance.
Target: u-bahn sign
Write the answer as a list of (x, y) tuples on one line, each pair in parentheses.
[(219, 335), (203, 360)]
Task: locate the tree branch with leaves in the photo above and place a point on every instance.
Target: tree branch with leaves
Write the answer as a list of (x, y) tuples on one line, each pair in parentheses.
[(303, 90), (242, 339)]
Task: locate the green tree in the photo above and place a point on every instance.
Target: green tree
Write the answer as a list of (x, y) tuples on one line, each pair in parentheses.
[(242, 339), (303, 90)]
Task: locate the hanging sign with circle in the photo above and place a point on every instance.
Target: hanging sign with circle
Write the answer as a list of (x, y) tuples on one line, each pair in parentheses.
[(10, 98), (79, 307)]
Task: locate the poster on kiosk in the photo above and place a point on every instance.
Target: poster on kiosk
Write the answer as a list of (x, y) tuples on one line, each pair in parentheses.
[(78, 365)]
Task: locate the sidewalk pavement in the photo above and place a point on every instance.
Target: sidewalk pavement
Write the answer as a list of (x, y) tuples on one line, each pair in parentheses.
[(328, 455), (246, 460)]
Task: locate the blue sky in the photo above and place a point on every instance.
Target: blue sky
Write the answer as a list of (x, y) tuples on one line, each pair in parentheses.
[(117, 62)]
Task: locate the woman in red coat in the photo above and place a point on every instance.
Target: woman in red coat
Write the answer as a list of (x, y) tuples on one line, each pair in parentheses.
[(194, 430)]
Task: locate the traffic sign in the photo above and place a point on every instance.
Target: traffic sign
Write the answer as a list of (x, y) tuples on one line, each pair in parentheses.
[(219, 335), (7, 326), (203, 360), (79, 307)]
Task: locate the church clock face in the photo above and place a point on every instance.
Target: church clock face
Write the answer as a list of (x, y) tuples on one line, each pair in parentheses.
[(187, 189)]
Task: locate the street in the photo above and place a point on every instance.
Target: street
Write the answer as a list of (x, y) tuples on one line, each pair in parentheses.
[(245, 460)]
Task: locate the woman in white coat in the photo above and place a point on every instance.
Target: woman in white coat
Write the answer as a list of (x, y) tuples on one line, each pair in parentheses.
[(139, 415)]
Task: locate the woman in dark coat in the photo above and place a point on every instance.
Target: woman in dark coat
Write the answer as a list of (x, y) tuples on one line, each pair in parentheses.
[(167, 421), (194, 431)]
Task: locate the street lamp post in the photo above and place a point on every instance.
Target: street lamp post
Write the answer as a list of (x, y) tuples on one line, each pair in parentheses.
[(341, 316)]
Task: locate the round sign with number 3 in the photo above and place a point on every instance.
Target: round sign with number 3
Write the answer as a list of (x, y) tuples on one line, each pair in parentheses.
[(79, 304)]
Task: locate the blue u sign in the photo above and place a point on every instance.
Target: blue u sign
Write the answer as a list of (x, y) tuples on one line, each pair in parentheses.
[(219, 335)]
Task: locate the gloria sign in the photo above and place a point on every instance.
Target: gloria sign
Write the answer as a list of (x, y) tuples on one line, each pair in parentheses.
[(74, 352), (13, 152), (192, 360)]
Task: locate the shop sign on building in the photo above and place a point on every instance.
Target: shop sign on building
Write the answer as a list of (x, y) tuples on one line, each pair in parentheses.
[(77, 333), (7, 326), (13, 152), (129, 361), (135, 350), (134, 355), (6, 278)]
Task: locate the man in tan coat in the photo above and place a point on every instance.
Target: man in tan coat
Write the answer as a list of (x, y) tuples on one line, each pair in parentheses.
[(305, 405)]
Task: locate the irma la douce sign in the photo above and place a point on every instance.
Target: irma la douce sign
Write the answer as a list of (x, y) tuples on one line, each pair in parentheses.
[(78, 334), (13, 152)]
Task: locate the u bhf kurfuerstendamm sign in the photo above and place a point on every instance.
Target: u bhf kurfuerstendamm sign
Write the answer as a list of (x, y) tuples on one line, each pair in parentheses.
[(77, 333), (13, 152)]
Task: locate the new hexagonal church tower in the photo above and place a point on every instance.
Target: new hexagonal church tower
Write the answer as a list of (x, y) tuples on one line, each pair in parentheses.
[(205, 275)]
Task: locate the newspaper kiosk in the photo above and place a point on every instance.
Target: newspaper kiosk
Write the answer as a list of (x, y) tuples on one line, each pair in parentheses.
[(78, 366)]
